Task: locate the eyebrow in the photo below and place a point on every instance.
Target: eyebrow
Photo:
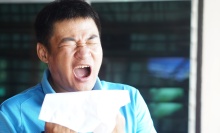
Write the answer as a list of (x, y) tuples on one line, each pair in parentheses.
[(93, 36), (66, 39)]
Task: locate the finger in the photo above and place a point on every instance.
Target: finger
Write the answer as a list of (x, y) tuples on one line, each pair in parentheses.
[(67, 130), (120, 121), (56, 128), (120, 124), (51, 127)]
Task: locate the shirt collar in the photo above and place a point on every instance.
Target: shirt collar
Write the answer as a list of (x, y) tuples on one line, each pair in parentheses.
[(47, 88), (98, 85)]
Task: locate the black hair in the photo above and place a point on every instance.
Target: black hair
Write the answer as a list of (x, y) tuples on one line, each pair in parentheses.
[(61, 10)]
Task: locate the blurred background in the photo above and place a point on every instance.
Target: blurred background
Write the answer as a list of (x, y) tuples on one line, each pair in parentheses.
[(153, 45)]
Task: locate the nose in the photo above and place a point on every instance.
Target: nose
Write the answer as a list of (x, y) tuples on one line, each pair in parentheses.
[(82, 52)]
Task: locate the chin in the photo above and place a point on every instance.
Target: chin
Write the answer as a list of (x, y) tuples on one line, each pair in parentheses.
[(84, 88)]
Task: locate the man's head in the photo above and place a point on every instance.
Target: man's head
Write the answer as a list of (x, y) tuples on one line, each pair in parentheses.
[(68, 35), (61, 10)]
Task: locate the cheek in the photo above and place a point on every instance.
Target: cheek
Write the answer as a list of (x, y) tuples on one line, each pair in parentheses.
[(99, 58), (64, 54), (97, 50), (100, 54), (59, 59), (52, 64)]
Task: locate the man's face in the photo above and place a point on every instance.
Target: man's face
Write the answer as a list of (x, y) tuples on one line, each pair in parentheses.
[(75, 56)]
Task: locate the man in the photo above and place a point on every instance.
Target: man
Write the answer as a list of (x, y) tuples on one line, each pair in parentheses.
[(68, 35)]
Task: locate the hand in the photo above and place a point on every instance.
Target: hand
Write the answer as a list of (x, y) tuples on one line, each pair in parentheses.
[(120, 124), (55, 128)]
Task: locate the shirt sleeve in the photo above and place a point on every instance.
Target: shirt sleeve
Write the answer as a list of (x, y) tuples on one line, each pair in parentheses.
[(6, 125), (144, 121)]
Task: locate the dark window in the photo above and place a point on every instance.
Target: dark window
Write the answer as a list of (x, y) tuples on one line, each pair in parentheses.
[(147, 45), (19, 65)]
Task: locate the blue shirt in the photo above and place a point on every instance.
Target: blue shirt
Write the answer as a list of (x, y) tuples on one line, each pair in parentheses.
[(19, 114)]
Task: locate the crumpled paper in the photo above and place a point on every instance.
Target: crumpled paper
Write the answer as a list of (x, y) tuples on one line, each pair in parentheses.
[(85, 111)]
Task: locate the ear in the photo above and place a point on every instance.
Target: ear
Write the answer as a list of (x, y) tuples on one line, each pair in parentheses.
[(42, 52)]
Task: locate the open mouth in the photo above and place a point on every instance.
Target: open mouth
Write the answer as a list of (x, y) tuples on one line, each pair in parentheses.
[(82, 71)]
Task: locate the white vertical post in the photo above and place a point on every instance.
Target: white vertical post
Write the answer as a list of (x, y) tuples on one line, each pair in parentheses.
[(210, 103), (193, 67)]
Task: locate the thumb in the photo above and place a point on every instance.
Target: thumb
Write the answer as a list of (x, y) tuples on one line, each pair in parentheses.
[(120, 124)]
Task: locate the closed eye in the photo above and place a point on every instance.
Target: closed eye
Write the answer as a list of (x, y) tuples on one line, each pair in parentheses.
[(67, 41), (94, 39)]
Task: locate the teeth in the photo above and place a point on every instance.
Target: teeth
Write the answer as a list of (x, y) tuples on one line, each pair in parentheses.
[(82, 66)]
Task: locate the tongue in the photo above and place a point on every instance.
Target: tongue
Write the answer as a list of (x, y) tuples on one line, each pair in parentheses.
[(81, 72)]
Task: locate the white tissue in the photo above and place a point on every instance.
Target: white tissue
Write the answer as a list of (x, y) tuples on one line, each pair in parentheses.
[(85, 111)]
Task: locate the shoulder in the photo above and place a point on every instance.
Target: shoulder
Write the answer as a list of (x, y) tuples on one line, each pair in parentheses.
[(119, 86), (17, 110), (26, 96), (116, 86)]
